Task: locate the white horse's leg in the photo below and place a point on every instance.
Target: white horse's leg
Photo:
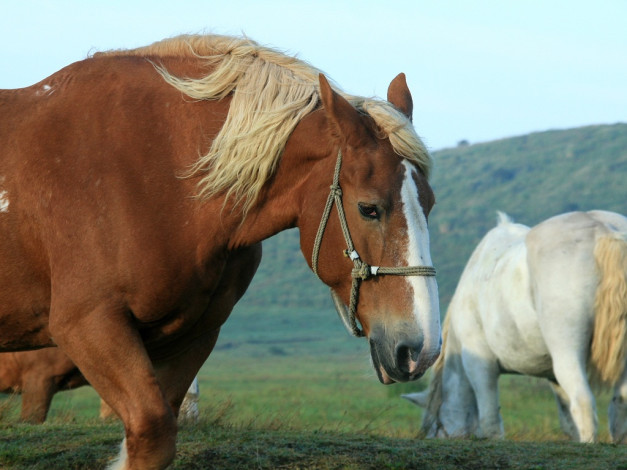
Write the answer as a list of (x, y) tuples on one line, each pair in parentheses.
[(565, 327), (457, 416), (562, 267), (617, 412), (563, 407), (189, 409), (570, 372), (482, 372)]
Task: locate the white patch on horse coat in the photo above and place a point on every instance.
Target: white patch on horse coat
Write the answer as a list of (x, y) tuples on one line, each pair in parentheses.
[(425, 289), (4, 201), (45, 90), (120, 462)]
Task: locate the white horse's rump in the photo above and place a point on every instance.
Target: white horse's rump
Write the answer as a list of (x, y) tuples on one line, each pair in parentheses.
[(550, 302)]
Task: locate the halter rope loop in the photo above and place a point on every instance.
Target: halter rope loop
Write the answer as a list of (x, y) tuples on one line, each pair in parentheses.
[(361, 270)]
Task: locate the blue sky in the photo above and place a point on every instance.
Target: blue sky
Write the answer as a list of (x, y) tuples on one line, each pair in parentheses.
[(478, 70)]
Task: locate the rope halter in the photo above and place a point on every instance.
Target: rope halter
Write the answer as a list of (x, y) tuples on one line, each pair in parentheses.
[(362, 271)]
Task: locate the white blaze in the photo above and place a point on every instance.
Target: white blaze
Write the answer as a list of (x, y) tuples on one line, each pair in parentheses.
[(426, 309)]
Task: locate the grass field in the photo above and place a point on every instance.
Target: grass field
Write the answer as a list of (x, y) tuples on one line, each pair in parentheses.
[(294, 397)]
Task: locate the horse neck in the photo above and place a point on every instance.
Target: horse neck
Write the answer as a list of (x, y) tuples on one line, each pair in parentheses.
[(306, 160)]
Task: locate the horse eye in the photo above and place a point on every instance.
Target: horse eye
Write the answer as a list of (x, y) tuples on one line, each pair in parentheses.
[(369, 211)]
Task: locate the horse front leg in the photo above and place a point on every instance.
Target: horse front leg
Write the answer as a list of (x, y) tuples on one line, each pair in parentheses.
[(483, 374), (108, 349), (178, 374)]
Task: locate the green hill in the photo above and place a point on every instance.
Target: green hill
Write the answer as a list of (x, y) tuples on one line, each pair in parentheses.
[(530, 177)]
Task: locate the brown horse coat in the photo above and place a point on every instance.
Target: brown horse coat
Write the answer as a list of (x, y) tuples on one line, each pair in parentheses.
[(37, 376), (108, 252)]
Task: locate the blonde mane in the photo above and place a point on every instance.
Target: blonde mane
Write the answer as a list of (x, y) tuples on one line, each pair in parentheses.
[(271, 93)]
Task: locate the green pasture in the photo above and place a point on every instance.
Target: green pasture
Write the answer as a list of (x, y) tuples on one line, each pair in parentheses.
[(300, 393)]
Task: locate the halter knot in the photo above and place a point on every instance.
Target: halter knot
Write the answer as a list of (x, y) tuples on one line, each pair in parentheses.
[(336, 191), (362, 272)]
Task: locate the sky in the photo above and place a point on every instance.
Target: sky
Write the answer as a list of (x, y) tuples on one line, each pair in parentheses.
[(478, 70)]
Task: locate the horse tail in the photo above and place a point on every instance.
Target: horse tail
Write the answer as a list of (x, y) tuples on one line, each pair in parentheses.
[(434, 402), (609, 339)]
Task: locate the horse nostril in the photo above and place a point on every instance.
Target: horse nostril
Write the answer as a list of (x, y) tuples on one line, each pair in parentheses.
[(406, 354)]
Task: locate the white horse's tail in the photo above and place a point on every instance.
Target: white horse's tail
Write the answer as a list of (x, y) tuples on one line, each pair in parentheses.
[(609, 339)]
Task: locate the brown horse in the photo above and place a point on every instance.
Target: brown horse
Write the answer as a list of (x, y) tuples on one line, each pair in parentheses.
[(136, 188), (37, 376)]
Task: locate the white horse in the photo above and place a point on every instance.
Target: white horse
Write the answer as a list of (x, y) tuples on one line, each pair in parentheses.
[(550, 301), (189, 412)]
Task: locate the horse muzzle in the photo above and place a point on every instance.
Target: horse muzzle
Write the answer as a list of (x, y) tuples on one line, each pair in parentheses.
[(399, 357)]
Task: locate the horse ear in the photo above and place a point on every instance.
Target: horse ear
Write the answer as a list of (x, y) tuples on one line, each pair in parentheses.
[(399, 95), (342, 116), (419, 398)]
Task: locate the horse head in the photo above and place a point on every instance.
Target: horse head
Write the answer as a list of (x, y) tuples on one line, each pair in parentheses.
[(382, 200)]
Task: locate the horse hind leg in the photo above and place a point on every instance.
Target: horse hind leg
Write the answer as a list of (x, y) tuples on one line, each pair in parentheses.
[(37, 393), (571, 376), (563, 407), (110, 354), (565, 321), (617, 411)]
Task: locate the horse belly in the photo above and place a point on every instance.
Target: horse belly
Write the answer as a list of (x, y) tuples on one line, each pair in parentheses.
[(518, 344), (522, 352), (25, 298), (526, 364)]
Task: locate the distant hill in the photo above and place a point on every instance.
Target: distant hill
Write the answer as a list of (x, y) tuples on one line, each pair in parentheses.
[(530, 177)]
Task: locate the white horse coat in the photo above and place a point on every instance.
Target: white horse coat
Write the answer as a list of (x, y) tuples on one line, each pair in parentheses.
[(525, 304)]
